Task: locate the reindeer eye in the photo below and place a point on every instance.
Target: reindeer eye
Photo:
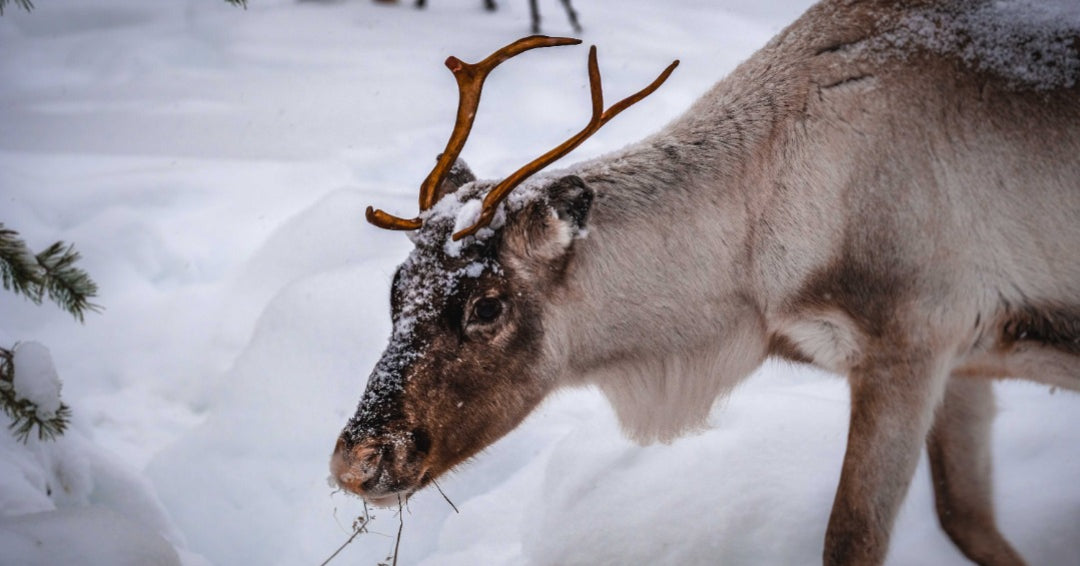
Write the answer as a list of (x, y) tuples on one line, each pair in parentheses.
[(486, 310)]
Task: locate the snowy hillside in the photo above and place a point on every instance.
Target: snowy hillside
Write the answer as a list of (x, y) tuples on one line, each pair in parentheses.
[(213, 164)]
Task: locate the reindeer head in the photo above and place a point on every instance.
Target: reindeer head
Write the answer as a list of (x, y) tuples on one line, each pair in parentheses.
[(466, 362)]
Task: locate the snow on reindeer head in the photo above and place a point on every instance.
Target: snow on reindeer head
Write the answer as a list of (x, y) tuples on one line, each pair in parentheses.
[(466, 362)]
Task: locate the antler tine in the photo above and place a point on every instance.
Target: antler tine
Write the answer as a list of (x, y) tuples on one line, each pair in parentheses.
[(470, 78), (389, 221), (598, 119)]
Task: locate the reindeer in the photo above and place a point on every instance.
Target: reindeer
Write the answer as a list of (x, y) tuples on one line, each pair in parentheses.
[(880, 191), (534, 11)]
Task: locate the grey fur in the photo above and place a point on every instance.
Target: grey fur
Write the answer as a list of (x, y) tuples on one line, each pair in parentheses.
[(857, 195)]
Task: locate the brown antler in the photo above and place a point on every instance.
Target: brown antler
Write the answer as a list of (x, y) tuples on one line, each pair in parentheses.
[(599, 118), (470, 78)]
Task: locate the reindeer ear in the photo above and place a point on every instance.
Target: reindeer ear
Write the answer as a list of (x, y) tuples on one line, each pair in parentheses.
[(459, 175), (539, 236), (571, 199)]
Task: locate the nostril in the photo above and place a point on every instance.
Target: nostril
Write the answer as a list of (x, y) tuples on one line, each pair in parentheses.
[(387, 453), (369, 458), (355, 466), (421, 440)]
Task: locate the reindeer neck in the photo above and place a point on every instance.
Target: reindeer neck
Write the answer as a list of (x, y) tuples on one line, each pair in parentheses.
[(669, 233)]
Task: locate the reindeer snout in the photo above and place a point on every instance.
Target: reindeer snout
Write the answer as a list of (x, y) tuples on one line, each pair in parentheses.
[(376, 469), (356, 468)]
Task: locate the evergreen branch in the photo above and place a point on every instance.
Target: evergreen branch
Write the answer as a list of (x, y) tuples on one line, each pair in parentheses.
[(23, 412), (19, 270), (25, 4), (241, 3), (51, 272), (67, 285)]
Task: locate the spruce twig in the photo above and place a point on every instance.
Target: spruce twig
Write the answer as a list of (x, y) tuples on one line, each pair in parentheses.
[(50, 273), (359, 526), (18, 266), (23, 412), (67, 285)]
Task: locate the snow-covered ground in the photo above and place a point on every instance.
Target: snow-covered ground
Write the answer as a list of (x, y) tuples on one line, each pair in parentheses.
[(212, 164)]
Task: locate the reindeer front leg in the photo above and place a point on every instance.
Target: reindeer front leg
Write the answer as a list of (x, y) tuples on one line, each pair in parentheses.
[(892, 404), (959, 449)]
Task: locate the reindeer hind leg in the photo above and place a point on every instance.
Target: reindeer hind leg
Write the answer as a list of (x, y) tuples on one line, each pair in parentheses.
[(959, 450), (572, 15), (535, 11)]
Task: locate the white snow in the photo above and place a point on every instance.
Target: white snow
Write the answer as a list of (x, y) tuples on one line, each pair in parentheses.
[(89, 535), (35, 378), (467, 215), (213, 165), (68, 501)]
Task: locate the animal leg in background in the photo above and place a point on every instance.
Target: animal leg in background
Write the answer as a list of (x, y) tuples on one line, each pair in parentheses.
[(960, 465)]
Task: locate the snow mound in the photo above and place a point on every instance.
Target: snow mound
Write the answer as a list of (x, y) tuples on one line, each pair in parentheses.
[(67, 501), (36, 379), (89, 536)]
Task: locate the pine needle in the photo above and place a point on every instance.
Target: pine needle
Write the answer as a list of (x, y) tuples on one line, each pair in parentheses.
[(23, 412), (50, 273), (19, 270), (67, 285)]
